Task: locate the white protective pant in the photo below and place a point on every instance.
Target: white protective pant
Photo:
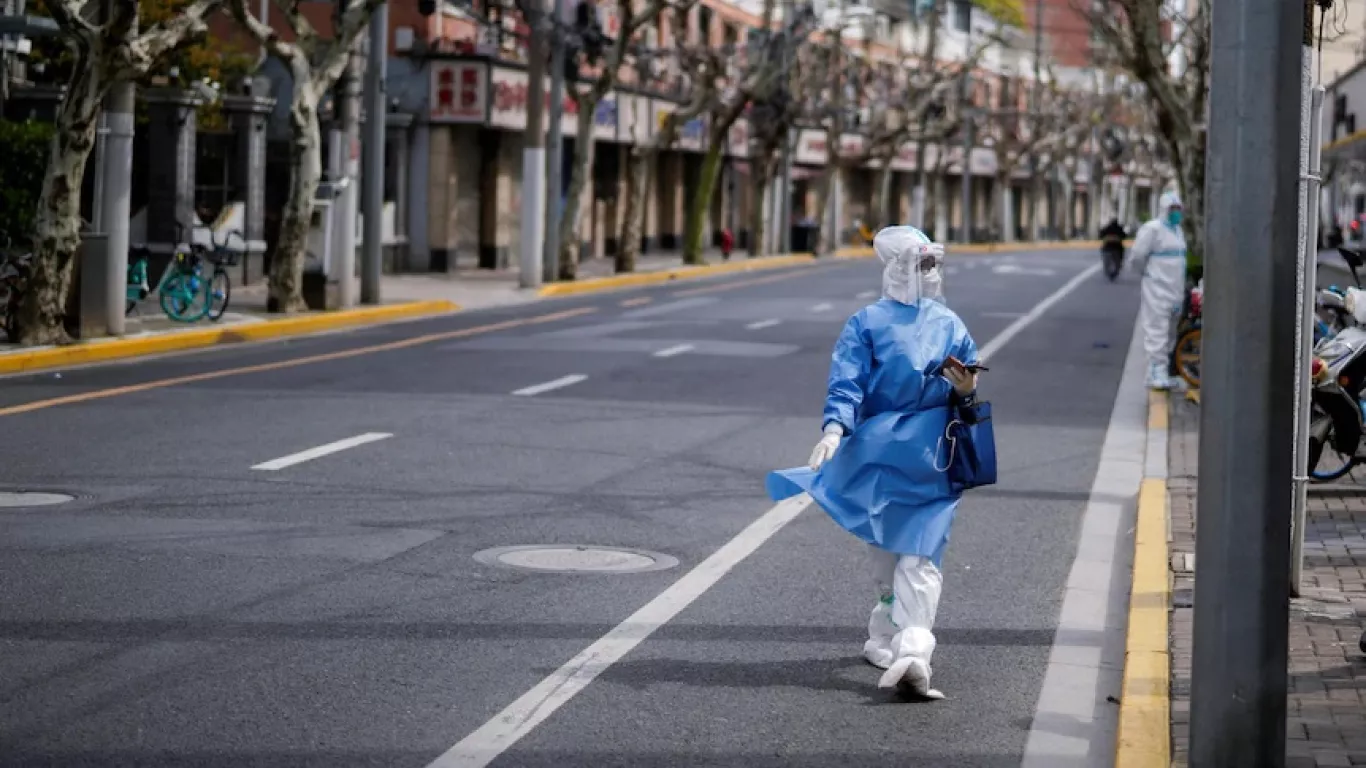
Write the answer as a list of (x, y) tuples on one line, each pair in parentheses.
[(1163, 281), (900, 628)]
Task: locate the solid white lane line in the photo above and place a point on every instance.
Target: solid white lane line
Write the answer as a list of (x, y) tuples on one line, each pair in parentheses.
[(672, 351), (1013, 330), (506, 728), (824, 306), (521, 716), (320, 451), (762, 324), (563, 381)]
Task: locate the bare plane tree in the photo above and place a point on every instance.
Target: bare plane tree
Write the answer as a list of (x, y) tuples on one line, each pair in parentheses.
[(315, 63), (1143, 37), (106, 52)]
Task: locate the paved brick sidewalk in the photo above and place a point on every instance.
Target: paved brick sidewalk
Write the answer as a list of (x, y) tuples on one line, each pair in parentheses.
[(1327, 708)]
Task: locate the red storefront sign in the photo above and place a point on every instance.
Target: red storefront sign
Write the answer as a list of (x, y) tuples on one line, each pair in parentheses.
[(459, 92), (510, 94)]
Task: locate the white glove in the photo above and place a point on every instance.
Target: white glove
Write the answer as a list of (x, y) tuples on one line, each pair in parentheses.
[(826, 447), (964, 382)]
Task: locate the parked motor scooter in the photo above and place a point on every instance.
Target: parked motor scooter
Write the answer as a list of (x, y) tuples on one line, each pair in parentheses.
[(1338, 376)]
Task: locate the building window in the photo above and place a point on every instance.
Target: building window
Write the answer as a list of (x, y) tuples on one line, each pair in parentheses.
[(961, 18)]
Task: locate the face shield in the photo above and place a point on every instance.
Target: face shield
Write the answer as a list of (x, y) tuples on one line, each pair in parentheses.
[(913, 267)]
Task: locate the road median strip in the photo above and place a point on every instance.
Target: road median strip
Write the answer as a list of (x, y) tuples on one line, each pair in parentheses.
[(105, 350), (1144, 738)]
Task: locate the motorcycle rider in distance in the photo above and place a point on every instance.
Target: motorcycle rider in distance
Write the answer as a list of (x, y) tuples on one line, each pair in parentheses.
[(1159, 253), (1112, 247)]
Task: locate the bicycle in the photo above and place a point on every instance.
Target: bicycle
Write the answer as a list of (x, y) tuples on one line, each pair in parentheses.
[(184, 286), (15, 267)]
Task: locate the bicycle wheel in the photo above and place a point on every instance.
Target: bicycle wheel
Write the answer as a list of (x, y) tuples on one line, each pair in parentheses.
[(220, 291), (1187, 356), (1325, 463), (184, 297)]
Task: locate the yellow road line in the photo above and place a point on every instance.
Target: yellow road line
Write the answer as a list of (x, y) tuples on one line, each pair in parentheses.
[(414, 341), (1144, 739), (638, 279), (105, 350)]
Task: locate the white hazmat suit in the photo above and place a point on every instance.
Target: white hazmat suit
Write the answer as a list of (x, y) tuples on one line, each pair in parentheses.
[(908, 580), (1159, 252)]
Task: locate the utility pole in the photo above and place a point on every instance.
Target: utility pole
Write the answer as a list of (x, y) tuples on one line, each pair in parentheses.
[(533, 157), (373, 160), (555, 155), (1238, 687), (1035, 107), (965, 177), (104, 276)]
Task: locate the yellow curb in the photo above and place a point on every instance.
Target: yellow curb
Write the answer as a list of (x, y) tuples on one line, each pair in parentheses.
[(638, 279), (104, 350), (1193, 395), (854, 253), (1144, 739)]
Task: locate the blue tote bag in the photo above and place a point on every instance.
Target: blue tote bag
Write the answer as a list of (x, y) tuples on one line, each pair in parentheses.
[(968, 448)]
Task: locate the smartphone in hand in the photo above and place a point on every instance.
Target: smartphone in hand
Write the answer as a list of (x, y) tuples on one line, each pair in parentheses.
[(956, 364)]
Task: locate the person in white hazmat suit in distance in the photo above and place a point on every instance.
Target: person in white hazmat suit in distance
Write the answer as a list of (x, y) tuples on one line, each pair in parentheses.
[(1159, 253), (898, 368)]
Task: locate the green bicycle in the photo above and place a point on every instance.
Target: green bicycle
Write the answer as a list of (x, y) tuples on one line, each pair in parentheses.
[(186, 293)]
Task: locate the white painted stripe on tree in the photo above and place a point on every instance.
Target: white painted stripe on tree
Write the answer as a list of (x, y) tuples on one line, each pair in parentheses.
[(320, 451), (549, 386)]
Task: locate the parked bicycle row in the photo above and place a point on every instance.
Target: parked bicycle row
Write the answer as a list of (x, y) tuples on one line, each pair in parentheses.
[(193, 283)]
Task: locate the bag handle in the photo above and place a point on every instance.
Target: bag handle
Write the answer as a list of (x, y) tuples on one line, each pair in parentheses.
[(939, 446)]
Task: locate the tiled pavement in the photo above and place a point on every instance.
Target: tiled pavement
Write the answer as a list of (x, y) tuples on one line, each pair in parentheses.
[(1327, 708)]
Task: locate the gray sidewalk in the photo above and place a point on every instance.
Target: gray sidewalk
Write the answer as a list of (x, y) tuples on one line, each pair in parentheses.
[(1326, 720)]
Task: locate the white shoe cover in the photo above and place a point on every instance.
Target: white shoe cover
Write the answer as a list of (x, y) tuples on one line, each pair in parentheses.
[(911, 674)]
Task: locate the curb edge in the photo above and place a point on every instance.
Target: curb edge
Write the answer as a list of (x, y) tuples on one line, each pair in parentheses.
[(1144, 734), (108, 350)]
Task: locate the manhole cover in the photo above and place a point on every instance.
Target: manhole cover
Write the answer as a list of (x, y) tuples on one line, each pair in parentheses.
[(560, 558), (31, 499)]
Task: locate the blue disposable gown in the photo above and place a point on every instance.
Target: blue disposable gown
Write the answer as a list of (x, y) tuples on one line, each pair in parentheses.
[(882, 485)]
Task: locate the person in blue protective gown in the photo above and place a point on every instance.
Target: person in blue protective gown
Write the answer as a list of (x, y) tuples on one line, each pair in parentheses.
[(879, 469)]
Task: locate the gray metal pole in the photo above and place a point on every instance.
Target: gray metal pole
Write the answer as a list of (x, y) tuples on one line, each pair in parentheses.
[(533, 160), (555, 146), (1308, 260), (372, 256), (1238, 687), (965, 178), (116, 201), (784, 214)]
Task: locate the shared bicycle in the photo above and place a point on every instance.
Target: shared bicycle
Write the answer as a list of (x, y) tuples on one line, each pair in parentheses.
[(185, 292)]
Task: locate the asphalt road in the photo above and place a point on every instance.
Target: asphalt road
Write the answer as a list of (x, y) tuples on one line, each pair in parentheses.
[(188, 610)]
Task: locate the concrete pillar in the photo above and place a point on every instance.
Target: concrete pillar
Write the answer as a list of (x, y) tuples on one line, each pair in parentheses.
[(614, 214), (671, 200), (441, 197), (419, 188), (248, 115), (941, 208), (650, 201), (397, 130), (170, 172), (492, 171)]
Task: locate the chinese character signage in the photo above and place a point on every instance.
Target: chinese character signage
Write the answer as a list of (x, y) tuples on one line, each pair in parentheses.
[(508, 109), (459, 92), (811, 147)]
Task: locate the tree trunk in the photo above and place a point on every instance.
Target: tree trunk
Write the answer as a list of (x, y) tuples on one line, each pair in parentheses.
[(701, 200), (305, 170), (57, 226), (578, 179), (633, 218), (824, 198), (882, 212), (1190, 179), (1038, 208)]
